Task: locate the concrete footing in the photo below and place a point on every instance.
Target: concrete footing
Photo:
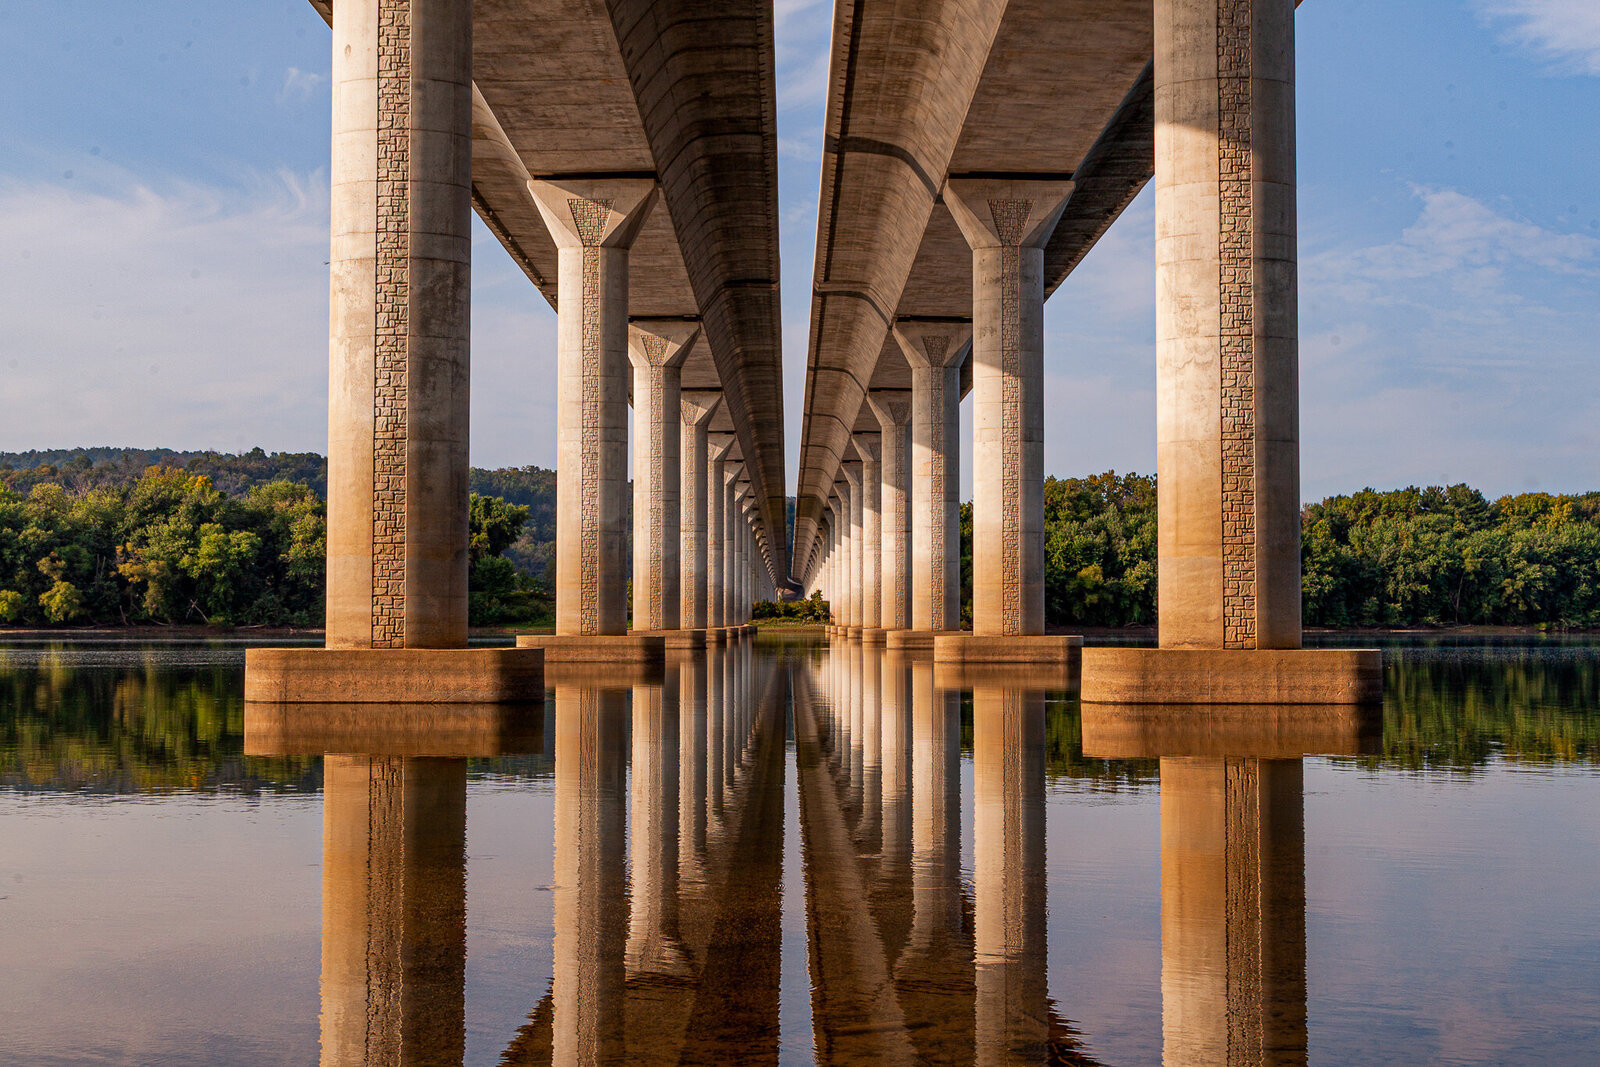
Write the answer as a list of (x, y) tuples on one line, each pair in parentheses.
[(873, 635), (393, 675), (433, 730), (984, 648), (598, 648), (677, 640), (853, 632), (1225, 676), (909, 640)]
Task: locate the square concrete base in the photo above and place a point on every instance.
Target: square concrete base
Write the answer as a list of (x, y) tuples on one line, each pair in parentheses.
[(853, 632), (598, 648), (718, 635), (873, 635), (1229, 676), (448, 730), (909, 640), (677, 640), (393, 675), (984, 648)]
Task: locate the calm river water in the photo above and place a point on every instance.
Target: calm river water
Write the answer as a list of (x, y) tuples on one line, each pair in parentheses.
[(789, 853)]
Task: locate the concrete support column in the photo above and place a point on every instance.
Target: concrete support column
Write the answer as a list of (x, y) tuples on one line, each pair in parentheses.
[(869, 446), (657, 349), (851, 469), (717, 447), (847, 589), (394, 910), (935, 352), (1233, 900), (1009, 874), (893, 409), (697, 408), (1007, 224), (400, 263), (1227, 357), (730, 542), (593, 224)]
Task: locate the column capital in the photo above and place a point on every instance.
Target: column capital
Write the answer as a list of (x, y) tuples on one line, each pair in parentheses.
[(934, 344), (1006, 212), (661, 342), (699, 405), (891, 406), (594, 212), (718, 444), (869, 445), (851, 470)]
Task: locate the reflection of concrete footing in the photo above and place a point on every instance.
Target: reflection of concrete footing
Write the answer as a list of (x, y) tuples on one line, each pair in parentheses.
[(1219, 676), (873, 635), (984, 648), (598, 648), (677, 640), (433, 730), (1231, 731), (719, 635), (909, 640), (393, 675)]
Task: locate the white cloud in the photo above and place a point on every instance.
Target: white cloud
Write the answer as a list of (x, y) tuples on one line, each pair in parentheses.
[(1565, 32), (299, 85)]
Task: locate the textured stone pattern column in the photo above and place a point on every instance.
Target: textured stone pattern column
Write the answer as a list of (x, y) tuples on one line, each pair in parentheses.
[(697, 409), (593, 224), (935, 352), (658, 351), (399, 310), (870, 448), (1236, 306), (1006, 224), (1227, 377), (393, 325), (716, 505), (893, 410), (851, 469)]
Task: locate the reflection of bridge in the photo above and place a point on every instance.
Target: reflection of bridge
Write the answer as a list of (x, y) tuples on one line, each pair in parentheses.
[(624, 156), (679, 962)]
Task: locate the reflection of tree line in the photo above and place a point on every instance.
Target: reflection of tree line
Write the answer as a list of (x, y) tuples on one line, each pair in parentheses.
[(158, 727)]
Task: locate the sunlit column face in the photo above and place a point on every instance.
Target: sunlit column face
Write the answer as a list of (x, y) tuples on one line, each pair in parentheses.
[(1233, 985)]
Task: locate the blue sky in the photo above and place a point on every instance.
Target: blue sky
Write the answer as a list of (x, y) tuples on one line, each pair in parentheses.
[(163, 221)]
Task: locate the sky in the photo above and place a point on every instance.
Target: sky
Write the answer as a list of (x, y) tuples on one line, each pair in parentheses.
[(163, 247)]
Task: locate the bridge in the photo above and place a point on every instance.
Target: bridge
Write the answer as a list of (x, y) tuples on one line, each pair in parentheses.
[(624, 155)]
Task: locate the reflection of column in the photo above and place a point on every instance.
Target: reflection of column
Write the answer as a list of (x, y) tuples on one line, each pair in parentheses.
[(653, 944), (1233, 949), (692, 768), (394, 899), (1008, 874), (935, 352), (870, 447), (1007, 224), (657, 349), (934, 972), (697, 408), (593, 223), (869, 829), (591, 912), (851, 469), (399, 264), (716, 710), (893, 409), (894, 864), (1227, 359)]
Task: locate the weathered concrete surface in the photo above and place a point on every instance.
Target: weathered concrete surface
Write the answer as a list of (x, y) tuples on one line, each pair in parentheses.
[(1217, 676), (392, 676), (989, 648), (598, 648)]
